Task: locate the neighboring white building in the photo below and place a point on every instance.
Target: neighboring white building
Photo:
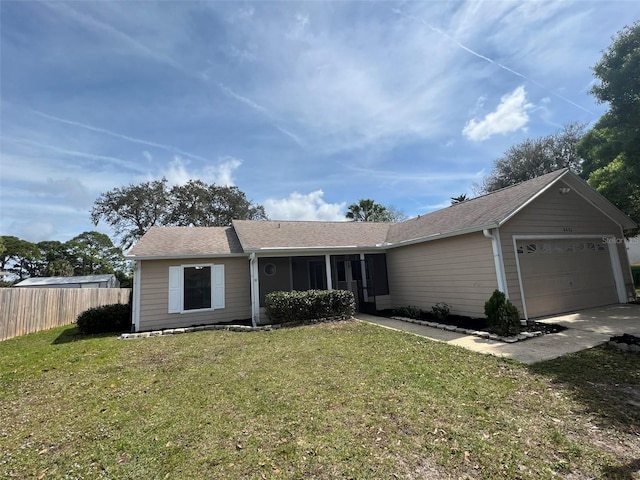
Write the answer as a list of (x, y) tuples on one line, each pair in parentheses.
[(86, 281)]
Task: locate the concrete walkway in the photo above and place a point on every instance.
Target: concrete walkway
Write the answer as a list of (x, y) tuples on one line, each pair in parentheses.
[(585, 329)]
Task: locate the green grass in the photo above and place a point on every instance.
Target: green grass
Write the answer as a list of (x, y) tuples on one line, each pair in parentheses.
[(337, 400)]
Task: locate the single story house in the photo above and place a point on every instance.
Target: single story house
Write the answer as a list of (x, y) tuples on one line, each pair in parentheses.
[(84, 281), (552, 244)]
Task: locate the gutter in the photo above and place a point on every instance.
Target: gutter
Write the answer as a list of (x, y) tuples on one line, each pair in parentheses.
[(438, 236), (185, 257), (288, 251)]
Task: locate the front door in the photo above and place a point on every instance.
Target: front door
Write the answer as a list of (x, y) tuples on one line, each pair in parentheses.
[(349, 276)]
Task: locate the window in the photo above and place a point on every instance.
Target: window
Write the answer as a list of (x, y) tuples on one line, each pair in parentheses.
[(269, 269), (545, 247), (196, 288)]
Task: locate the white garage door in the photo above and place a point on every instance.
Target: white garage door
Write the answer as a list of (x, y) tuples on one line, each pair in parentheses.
[(564, 275)]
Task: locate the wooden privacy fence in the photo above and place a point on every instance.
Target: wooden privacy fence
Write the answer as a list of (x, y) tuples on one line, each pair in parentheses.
[(28, 310)]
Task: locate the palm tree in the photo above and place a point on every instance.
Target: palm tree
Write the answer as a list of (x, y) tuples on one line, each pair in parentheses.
[(459, 199), (366, 210)]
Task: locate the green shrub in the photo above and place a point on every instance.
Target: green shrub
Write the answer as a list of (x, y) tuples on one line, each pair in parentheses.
[(108, 318), (502, 316), (408, 312), (441, 311), (305, 306)]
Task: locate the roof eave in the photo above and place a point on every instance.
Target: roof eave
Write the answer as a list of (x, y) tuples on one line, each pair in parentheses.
[(185, 257), (587, 192), (600, 202), (438, 236), (531, 199), (314, 250)]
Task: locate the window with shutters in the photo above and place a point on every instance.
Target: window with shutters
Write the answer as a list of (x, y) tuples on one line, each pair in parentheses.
[(194, 288)]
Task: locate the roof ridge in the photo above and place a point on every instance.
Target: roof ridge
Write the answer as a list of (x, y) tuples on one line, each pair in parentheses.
[(316, 221)]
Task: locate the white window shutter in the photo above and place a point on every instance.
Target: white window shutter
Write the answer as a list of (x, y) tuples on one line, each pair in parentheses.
[(175, 289), (218, 286)]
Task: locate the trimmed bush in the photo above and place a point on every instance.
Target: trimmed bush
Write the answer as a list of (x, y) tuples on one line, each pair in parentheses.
[(408, 312), (306, 306), (441, 311), (108, 318), (502, 316)]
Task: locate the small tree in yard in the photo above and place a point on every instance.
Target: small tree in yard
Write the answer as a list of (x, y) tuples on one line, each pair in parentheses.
[(502, 316)]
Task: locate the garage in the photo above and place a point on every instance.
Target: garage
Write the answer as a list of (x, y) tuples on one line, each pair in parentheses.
[(562, 275)]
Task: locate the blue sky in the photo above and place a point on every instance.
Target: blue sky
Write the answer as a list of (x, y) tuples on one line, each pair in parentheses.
[(305, 106)]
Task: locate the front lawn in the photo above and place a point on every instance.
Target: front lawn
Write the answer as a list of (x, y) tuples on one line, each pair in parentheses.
[(337, 400)]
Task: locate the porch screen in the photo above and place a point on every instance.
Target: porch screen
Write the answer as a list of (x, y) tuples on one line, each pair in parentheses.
[(377, 270)]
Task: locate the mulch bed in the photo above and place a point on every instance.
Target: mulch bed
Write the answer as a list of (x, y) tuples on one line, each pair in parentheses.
[(626, 338), (479, 323)]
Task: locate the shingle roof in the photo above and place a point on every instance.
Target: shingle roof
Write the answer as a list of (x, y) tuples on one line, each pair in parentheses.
[(254, 235), (486, 211), (186, 241), (245, 236)]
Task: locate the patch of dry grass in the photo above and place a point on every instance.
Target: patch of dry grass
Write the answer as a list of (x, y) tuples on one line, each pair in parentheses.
[(338, 400)]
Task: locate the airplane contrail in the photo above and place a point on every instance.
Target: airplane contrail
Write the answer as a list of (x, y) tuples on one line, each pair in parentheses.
[(121, 136), (472, 52)]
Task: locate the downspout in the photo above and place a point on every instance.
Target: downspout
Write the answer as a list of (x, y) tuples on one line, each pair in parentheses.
[(499, 265), (498, 261), (255, 311), (135, 304)]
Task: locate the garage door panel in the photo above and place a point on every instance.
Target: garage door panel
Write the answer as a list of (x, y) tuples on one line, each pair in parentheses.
[(564, 275)]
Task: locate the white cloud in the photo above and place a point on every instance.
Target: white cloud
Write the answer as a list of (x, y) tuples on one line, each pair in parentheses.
[(511, 115), (304, 207), (223, 172), (177, 172)]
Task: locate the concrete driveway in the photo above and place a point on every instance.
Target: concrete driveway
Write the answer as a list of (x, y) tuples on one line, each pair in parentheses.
[(585, 329), (610, 320)]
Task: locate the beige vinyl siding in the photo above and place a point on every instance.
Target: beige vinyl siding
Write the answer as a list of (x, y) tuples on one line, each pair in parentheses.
[(383, 302), (556, 214), (459, 271), (154, 290)]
